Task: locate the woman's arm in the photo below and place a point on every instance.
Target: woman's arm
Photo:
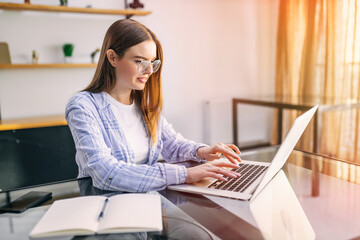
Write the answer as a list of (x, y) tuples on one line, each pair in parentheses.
[(178, 149), (107, 172), (175, 147)]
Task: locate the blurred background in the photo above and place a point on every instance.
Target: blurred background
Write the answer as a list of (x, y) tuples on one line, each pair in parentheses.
[(213, 51)]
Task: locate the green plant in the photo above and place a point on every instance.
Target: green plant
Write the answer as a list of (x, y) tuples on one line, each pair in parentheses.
[(63, 2), (68, 49)]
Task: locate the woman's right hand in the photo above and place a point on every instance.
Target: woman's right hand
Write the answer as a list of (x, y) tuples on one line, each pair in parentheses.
[(214, 169)]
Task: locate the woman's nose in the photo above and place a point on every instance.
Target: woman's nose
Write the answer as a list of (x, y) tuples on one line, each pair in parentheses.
[(149, 69)]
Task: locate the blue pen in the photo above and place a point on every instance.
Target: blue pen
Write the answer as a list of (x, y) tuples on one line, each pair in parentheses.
[(103, 209)]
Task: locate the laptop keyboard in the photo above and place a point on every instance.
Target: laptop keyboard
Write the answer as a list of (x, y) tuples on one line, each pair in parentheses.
[(248, 174)]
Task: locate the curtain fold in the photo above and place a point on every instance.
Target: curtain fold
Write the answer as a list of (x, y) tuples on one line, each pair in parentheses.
[(318, 55)]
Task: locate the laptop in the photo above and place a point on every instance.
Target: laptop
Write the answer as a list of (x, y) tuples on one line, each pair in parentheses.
[(254, 175)]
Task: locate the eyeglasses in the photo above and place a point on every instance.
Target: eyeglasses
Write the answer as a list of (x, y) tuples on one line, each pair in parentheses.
[(144, 65)]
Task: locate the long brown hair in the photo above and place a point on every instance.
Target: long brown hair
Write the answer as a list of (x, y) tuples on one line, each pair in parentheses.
[(120, 36)]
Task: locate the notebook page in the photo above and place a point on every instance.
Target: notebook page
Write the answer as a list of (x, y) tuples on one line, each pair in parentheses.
[(132, 213), (70, 216)]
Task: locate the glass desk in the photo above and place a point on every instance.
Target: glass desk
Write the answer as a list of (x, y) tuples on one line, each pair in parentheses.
[(303, 103), (176, 223), (333, 214)]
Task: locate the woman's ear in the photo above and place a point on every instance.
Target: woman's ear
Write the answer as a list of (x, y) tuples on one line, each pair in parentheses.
[(111, 56)]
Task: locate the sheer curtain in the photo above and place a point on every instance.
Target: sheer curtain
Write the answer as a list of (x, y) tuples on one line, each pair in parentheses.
[(318, 54)]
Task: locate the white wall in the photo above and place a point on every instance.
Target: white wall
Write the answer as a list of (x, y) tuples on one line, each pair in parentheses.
[(213, 50)]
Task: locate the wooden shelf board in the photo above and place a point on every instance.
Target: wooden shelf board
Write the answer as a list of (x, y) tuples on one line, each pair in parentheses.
[(48, 65), (32, 122), (45, 8)]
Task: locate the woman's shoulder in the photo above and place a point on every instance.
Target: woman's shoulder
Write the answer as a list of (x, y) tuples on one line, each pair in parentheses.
[(79, 97), (85, 96), (86, 99)]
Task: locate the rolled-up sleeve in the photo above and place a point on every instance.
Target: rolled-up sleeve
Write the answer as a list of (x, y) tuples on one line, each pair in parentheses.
[(94, 157)]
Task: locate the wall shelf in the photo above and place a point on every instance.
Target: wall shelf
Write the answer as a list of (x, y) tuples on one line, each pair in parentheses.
[(32, 122), (46, 8), (48, 65)]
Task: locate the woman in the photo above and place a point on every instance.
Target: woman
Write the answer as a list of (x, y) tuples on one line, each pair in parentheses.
[(118, 128)]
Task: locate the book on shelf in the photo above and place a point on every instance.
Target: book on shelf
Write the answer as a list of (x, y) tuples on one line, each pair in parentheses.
[(89, 215)]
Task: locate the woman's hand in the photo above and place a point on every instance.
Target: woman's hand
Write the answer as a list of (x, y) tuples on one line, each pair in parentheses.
[(214, 152), (212, 169)]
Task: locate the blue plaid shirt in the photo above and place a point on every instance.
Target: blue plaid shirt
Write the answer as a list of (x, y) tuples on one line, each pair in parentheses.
[(103, 153)]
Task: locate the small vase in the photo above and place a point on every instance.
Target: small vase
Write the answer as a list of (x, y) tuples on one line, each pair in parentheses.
[(68, 59)]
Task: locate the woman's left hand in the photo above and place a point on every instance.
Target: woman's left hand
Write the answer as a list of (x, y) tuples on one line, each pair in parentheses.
[(214, 152)]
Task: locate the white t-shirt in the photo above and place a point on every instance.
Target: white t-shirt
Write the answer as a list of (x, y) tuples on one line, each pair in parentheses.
[(130, 121)]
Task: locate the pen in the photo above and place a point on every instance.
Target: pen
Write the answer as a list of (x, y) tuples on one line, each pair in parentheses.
[(103, 209)]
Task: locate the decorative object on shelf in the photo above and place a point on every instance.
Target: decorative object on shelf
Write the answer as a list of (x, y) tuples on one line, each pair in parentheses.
[(68, 50), (93, 54), (136, 4), (27, 1), (4, 53), (63, 2), (35, 57)]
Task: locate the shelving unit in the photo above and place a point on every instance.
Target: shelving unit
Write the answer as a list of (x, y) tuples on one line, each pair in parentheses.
[(59, 120), (32, 122), (49, 65), (46, 8)]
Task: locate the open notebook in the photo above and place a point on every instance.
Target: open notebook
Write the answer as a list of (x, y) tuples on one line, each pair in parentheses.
[(91, 215), (254, 175)]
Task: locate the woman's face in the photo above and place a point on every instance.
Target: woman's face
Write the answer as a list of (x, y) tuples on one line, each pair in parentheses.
[(126, 68)]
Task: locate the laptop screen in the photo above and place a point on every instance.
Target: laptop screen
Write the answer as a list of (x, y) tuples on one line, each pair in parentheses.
[(286, 148)]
